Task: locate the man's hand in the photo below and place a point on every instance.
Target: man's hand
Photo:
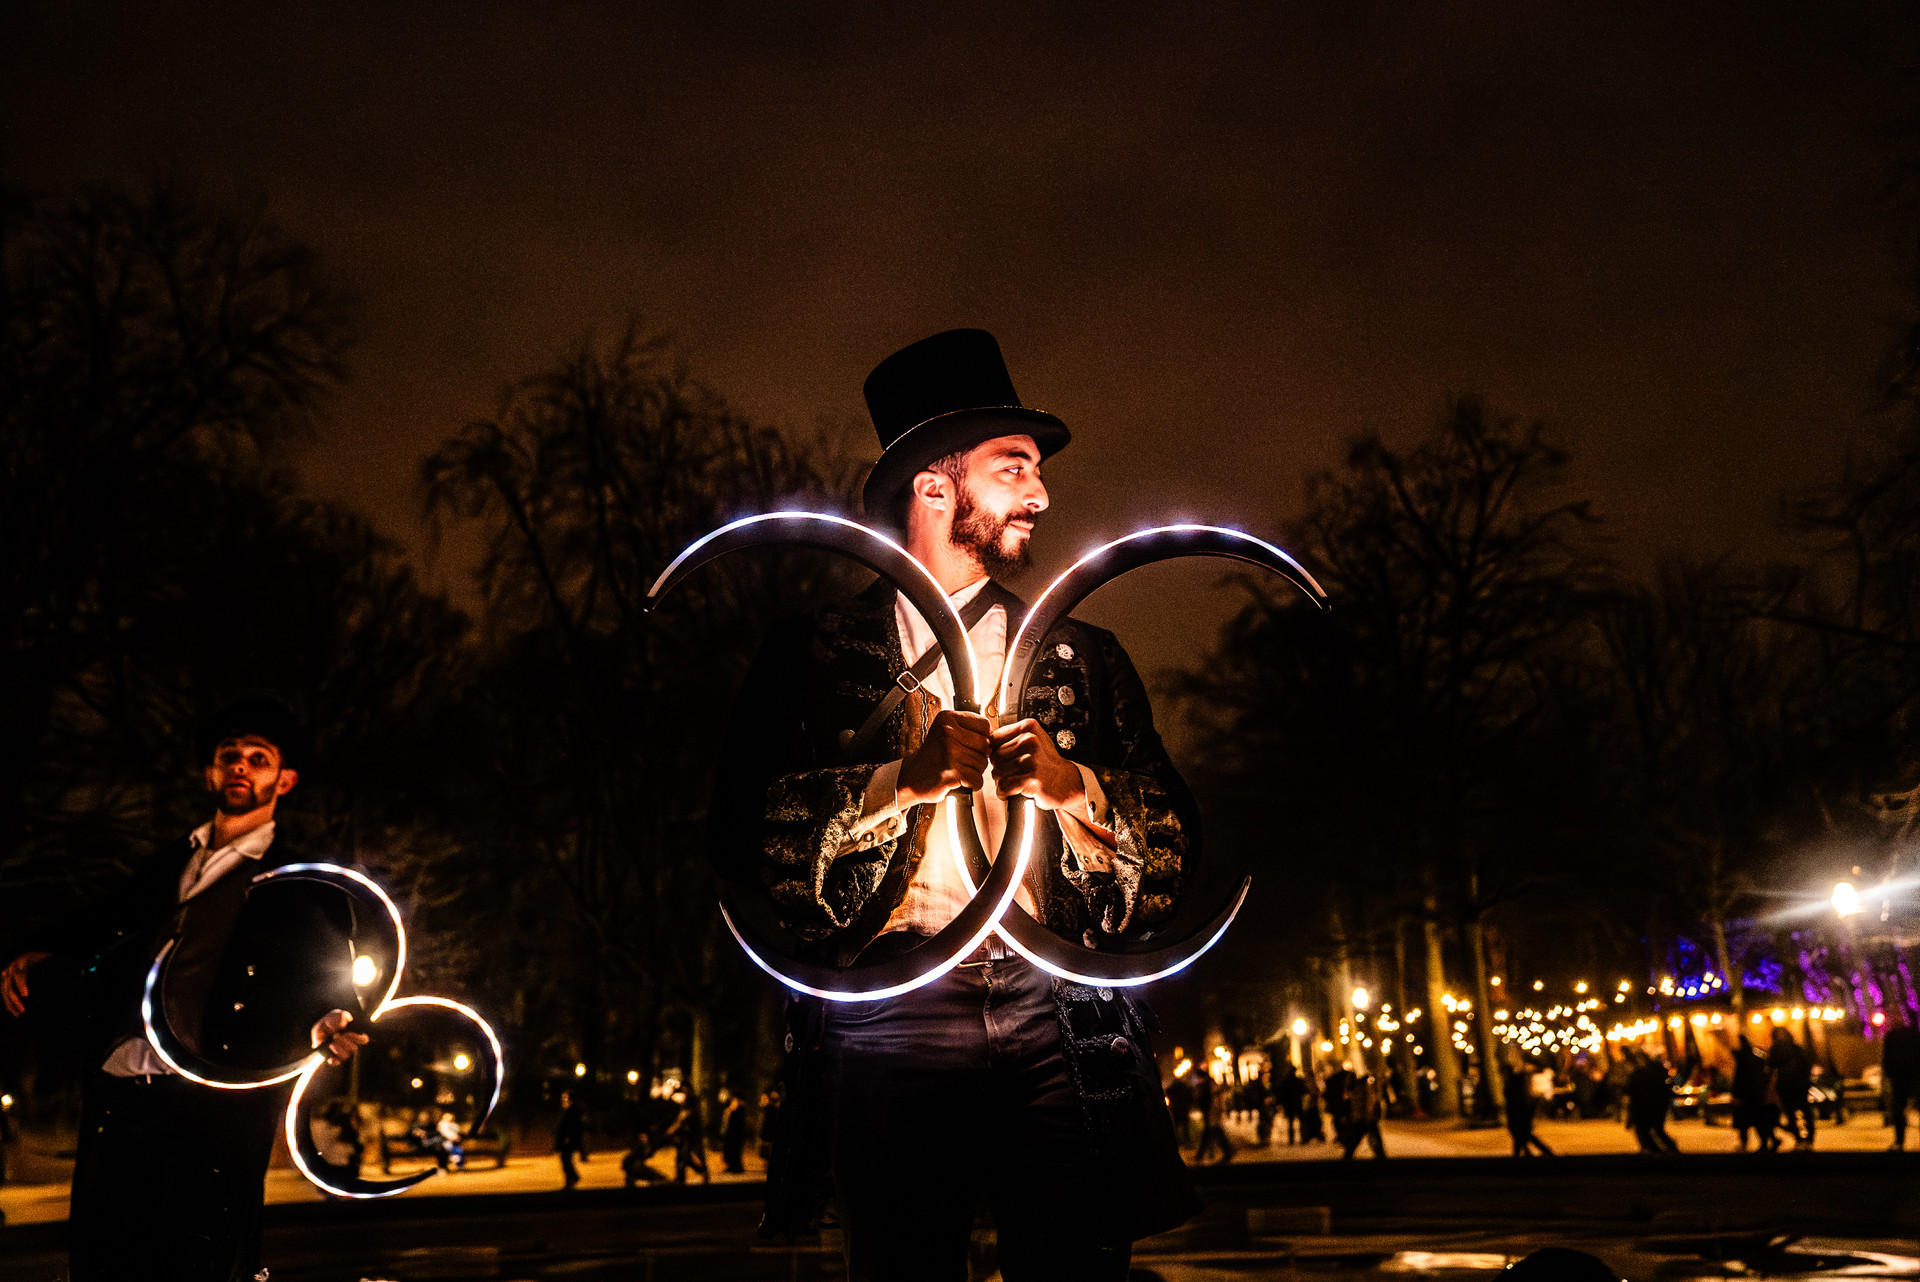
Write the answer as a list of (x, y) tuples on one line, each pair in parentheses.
[(1026, 764), (953, 755), (13, 981), (331, 1036)]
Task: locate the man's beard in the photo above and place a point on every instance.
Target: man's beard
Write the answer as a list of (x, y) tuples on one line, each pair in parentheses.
[(258, 794), (983, 534)]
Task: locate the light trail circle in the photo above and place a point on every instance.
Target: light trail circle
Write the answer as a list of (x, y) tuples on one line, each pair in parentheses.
[(299, 1123), (1033, 941), (964, 933), (206, 1072)]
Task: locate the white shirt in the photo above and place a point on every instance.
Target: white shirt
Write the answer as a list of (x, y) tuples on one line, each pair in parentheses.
[(135, 1057), (937, 892)]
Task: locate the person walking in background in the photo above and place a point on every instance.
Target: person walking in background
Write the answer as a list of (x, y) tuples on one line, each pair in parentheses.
[(1649, 1100), (1262, 1087), (733, 1136), (1366, 1105), (1212, 1101), (1792, 1081), (689, 1139), (1313, 1122), (1900, 1071), (1289, 1092), (569, 1138), (1521, 1105), (1752, 1097)]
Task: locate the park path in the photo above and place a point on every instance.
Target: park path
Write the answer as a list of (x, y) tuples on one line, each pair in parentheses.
[(32, 1203)]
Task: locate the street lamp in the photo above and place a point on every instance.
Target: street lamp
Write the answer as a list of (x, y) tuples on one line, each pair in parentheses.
[(1299, 1028), (1361, 999), (1846, 900)]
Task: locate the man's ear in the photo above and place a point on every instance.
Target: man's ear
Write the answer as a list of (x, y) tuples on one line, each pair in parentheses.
[(288, 778), (935, 489), (213, 784)]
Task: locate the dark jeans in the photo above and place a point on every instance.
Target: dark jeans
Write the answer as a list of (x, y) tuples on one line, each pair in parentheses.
[(955, 1092), (170, 1180)]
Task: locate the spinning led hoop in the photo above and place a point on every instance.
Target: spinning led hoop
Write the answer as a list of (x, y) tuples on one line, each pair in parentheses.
[(197, 1068), (991, 908)]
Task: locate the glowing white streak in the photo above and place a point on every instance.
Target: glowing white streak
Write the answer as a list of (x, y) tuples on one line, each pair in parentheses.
[(829, 519), (1014, 647), (386, 901), (1091, 981), (405, 1182), (980, 936), (314, 1062)]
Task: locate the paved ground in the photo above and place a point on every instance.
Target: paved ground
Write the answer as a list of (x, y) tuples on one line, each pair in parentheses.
[(1652, 1220), (25, 1203)]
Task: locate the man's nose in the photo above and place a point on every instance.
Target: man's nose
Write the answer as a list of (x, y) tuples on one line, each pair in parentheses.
[(1036, 499)]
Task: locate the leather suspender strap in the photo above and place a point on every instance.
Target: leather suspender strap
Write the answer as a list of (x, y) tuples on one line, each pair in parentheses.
[(855, 742)]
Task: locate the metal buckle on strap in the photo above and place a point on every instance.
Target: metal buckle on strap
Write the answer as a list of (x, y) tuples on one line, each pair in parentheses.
[(907, 681)]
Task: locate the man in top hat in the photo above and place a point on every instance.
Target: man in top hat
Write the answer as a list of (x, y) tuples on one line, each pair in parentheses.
[(171, 1174), (996, 1080)]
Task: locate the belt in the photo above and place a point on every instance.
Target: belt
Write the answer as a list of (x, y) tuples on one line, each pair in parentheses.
[(992, 949)]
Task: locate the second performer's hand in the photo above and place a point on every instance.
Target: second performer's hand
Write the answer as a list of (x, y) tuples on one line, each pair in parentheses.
[(953, 755), (13, 981), (1026, 764), (331, 1036)]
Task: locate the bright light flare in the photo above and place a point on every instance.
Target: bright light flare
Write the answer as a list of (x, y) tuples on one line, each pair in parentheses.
[(1846, 900), (1361, 999), (365, 971)]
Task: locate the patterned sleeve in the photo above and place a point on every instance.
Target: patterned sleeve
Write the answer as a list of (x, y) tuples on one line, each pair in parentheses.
[(782, 819), (1155, 823)]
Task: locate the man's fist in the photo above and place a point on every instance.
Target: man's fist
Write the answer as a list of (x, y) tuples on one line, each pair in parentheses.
[(1026, 764), (13, 981), (953, 755), (331, 1035)]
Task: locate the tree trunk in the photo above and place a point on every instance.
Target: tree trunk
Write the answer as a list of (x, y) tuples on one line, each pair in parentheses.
[(1492, 1081), (1436, 1029)]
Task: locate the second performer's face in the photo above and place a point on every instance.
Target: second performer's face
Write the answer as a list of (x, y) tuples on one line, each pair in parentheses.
[(246, 774), (995, 510)]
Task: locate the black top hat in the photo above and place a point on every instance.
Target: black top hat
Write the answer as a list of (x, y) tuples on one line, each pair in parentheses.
[(939, 396)]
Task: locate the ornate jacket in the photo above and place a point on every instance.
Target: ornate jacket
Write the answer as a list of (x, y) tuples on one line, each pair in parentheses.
[(787, 796)]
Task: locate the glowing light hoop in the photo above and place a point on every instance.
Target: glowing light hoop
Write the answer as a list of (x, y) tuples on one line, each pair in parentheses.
[(159, 1035), (1311, 586), (1013, 924), (300, 1140), (893, 563)]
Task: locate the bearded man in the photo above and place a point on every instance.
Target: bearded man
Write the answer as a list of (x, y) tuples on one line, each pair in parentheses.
[(995, 1082), (170, 1175)]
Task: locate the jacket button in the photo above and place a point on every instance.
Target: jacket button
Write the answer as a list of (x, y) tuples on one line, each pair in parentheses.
[(1120, 1048), (249, 971), (1065, 695), (239, 1005), (1106, 994), (1065, 651), (1066, 740), (789, 1043)]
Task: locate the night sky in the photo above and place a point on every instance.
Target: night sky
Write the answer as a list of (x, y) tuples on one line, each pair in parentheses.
[(1217, 247)]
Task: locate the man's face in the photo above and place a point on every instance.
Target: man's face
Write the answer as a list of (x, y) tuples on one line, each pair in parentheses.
[(246, 775), (997, 503)]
